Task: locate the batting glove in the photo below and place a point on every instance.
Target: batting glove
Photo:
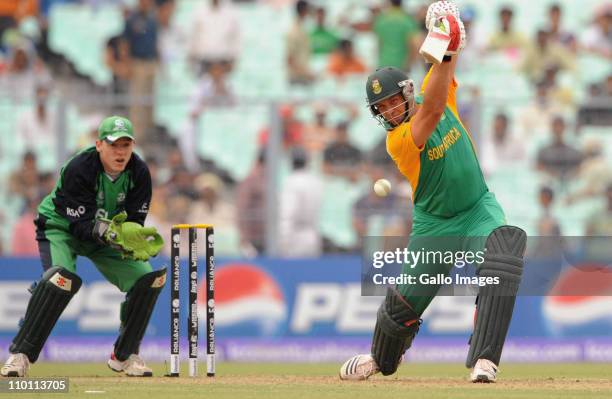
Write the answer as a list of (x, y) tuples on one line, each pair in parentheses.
[(440, 9), (456, 31)]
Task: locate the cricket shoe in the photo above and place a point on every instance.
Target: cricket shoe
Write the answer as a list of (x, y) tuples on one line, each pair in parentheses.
[(133, 366), (358, 368), (17, 365), (484, 371)]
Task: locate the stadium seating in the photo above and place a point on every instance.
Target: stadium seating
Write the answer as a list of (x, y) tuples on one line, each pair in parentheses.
[(229, 136)]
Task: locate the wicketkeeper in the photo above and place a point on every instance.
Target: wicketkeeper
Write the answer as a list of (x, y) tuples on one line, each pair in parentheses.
[(97, 210), (434, 151)]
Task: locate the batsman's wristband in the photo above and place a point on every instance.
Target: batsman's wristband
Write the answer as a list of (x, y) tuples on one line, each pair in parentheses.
[(447, 58)]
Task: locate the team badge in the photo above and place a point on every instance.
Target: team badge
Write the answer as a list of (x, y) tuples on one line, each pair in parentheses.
[(119, 124), (376, 87)]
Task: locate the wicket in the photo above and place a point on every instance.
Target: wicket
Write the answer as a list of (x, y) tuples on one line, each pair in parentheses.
[(192, 320)]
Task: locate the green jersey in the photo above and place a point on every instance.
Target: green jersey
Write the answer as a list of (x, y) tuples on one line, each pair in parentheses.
[(85, 192), (323, 40), (394, 29), (445, 175)]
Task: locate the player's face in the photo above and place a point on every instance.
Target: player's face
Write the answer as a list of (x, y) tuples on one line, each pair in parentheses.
[(393, 109), (115, 156)]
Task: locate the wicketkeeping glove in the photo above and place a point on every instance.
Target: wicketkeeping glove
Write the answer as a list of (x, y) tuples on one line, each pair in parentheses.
[(131, 239), (141, 242)]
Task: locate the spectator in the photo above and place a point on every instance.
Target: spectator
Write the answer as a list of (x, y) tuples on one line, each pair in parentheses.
[(23, 72), (543, 55), (300, 205), (298, 47), (606, 89), (251, 210), (36, 128), (548, 225), (507, 39), (141, 38), (476, 44), (420, 18), (593, 175), (559, 94), (54, 60), (117, 60), (46, 183), (556, 33), (396, 32), (318, 135), (212, 90), (24, 233), (174, 161), (537, 116), (500, 147), (25, 181), (215, 35), (213, 208), (600, 223), (597, 38), (291, 129), (181, 183), (323, 40), (381, 216), (344, 61), (172, 37), (341, 158), (597, 107), (13, 11), (360, 16), (558, 158)]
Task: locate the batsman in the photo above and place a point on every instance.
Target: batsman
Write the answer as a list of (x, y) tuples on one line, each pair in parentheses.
[(96, 210), (430, 146)]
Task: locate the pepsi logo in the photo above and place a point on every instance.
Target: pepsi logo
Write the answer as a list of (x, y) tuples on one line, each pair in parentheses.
[(248, 301), (580, 302)]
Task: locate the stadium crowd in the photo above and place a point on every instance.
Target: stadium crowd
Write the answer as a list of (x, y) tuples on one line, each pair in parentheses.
[(544, 132)]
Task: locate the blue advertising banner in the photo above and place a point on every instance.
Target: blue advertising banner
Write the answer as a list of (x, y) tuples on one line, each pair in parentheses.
[(298, 304), (292, 298)]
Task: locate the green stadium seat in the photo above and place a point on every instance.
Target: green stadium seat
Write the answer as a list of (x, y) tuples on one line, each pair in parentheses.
[(336, 222), (80, 33), (228, 136)]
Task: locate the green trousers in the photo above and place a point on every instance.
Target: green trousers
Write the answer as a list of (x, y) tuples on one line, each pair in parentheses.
[(466, 231), (59, 248)]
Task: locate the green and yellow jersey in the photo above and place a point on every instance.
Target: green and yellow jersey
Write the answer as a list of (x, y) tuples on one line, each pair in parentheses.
[(445, 175)]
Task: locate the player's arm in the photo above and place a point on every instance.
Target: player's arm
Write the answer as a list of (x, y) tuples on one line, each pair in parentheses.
[(434, 101), (76, 201)]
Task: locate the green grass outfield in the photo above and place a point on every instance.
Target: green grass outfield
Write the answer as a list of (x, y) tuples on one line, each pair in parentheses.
[(287, 381)]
